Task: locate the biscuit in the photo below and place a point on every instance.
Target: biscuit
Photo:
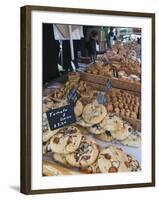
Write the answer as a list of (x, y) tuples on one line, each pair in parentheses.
[(85, 155), (133, 140), (111, 122), (46, 135), (78, 109), (105, 136), (66, 140), (94, 113), (61, 158), (122, 133), (53, 169), (113, 159), (81, 122), (92, 169)]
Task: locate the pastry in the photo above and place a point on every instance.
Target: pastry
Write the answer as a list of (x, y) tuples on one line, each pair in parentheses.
[(111, 122), (85, 155), (92, 169), (113, 159), (123, 133), (105, 136), (133, 164), (47, 104), (48, 134), (46, 147), (52, 169), (81, 122), (94, 113), (78, 109), (66, 140), (61, 158), (133, 140)]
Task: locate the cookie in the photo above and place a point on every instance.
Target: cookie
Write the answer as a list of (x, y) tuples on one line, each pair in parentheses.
[(66, 140), (92, 169), (133, 140), (105, 136), (47, 104), (48, 134), (61, 158), (133, 164), (111, 122), (122, 133), (81, 122), (85, 155), (78, 109), (94, 113), (113, 159), (96, 129), (46, 147), (53, 169)]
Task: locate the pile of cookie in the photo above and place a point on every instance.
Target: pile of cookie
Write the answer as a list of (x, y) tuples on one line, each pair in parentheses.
[(73, 81), (124, 104), (109, 70), (70, 148), (107, 127), (100, 68)]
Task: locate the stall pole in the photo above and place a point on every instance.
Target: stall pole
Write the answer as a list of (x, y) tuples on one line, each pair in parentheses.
[(71, 43)]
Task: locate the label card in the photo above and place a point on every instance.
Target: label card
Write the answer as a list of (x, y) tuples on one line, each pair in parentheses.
[(60, 117), (108, 85), (101, 98), (73, 96)]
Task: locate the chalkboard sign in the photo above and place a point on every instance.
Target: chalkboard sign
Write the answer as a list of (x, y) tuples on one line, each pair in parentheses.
[(101, 98), (60, 117), (108, 85), (73, 96)]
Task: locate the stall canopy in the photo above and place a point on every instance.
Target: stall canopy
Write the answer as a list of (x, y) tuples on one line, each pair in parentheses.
[(68, 32)]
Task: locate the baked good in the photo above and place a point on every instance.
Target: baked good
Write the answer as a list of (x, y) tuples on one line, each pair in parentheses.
[(96, 129), (48, 134), (94, 113), (47, 104), (122, 133), (133, 164), (92, 169), (46, 147), (133, 140), (81, 122), (78, 109), (113, 159), (112, 122), (85, 155), (105, 136), (61, 158), (52, 169), (66, 140)]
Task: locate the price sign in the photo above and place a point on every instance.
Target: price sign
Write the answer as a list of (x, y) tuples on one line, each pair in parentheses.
[(101, 98), (73, 96), (60, 117), (108, 85)]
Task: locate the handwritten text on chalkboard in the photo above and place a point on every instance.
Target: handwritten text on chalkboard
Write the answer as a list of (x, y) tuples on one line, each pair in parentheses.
[(108, 85), (60, 117), (73, 96), (101, 98)]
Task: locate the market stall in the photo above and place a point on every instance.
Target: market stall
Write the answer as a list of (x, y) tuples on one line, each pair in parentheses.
[(99, 111)]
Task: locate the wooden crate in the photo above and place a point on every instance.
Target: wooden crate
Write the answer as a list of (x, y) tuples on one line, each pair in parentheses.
[(116, 83), (136, 123)]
